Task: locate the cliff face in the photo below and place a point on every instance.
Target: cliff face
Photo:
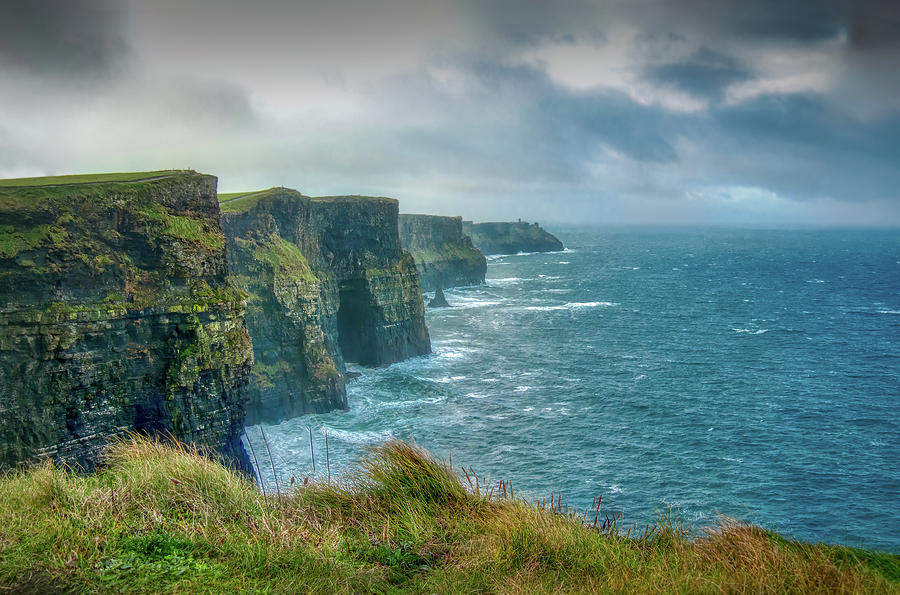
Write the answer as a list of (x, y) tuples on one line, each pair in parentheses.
[(511, 237), (444, 255), (328, 283), (115, 315)]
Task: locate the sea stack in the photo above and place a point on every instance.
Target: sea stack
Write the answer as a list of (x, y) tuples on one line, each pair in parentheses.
[(438, 301)]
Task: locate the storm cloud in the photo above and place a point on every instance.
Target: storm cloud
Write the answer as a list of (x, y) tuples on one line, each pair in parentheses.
[(697, 111)]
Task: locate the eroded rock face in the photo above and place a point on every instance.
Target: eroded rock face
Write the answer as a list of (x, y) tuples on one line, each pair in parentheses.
[(444, 255), (116, 316), (328, 283), (511, 237)]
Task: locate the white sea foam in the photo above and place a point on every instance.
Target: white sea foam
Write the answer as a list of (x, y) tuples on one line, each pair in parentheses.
[(456, 353), (750, 331), (592, 304), (359, 437), (815, 281), (570, 306), (886, 311), (528, 409), (521, 389), (476, 396), (411, 403), (564, 262), (466, 302), (505, 281)]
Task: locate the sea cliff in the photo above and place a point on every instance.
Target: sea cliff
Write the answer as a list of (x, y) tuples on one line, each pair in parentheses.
[(444, 255), (329, 283), (116, 316), (511, 237)]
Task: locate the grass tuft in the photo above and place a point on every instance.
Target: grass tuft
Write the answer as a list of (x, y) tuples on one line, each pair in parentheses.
[(166, 518)]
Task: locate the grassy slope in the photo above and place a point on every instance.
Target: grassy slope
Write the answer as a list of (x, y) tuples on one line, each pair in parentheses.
[(238, 202), (87, 178), (163, 520)]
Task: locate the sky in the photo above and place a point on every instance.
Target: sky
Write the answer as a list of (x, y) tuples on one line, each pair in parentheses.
[(689, 112)]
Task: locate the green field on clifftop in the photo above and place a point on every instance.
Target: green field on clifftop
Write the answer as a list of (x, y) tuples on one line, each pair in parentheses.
[(89, 178), (159, 519), (238, 202)]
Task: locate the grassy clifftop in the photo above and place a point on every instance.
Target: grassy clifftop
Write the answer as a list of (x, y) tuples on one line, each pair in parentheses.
[(159, 519), (89, 178)]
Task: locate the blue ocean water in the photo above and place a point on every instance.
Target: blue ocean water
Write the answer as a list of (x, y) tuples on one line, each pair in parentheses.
[(754, 374)]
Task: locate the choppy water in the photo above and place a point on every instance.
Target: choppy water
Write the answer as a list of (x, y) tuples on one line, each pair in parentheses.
[(749, 373)]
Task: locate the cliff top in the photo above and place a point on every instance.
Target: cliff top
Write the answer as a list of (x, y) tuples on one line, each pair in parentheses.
[(239, 202), (138, 176), (431, 216), (18, 195), (353, 198), (86, 238), (519, 223)]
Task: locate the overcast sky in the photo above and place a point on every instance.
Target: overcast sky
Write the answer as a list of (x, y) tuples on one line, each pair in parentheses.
[(770, 112)]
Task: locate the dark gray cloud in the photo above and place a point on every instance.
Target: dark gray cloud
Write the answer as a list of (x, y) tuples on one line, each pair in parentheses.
[(802, 147), (62, 38), (705, 73), (689, 110)]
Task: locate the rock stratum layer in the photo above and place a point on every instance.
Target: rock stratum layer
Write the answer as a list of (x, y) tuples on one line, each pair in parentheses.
[(511, 237), (329, 283), (444, 255), (116, 316)]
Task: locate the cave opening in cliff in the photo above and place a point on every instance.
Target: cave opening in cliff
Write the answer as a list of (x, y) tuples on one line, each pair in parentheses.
[(353, 324)]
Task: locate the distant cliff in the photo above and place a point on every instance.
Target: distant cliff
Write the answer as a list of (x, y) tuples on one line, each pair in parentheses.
[(511, 237), (329, 283), (115, 315), (444, 255)]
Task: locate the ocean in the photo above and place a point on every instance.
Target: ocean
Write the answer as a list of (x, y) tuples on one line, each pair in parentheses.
[(752, 374)]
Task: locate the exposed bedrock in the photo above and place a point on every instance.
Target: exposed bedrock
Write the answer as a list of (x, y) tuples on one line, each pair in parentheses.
[(328, 284), (116, 316), (444, 255), (511, 237)]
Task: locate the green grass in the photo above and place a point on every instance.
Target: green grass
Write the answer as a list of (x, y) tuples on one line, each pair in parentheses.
[(166, 519), (225, 196), (89, 178), (352, 198), (284, 257), (239, 202), (185, 228)]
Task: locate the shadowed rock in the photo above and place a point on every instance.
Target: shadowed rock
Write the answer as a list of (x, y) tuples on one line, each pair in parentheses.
[(116, 316), (328, 284), (438, 301), (511, 237), (444, 255)]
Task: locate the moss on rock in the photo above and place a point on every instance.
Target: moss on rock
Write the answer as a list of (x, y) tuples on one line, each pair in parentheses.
[(116, 315)]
